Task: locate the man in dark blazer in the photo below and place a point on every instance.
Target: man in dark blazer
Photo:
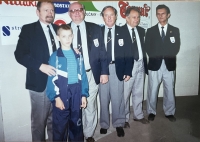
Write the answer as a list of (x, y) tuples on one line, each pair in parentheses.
[(119, 68), (134, 40), (33, 51), (162, 44), (88, 40)]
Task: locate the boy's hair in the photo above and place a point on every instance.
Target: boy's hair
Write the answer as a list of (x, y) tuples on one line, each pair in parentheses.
[(163, 6), (63, 27)]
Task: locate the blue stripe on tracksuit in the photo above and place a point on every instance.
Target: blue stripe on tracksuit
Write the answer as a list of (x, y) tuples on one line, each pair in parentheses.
[(67, 123)]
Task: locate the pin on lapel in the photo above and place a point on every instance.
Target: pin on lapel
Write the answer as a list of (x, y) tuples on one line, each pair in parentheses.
[(117, 34), (170, 31)]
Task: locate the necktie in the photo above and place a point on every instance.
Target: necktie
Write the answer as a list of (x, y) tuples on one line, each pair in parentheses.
[(163, 34), (135, 47), (52, 40), (109, 46), (79, 43)]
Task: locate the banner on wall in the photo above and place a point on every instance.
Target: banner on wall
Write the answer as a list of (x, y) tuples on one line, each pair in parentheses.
[(24, 12)]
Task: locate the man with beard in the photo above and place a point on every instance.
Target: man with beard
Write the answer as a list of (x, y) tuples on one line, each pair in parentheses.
[(36, 43)]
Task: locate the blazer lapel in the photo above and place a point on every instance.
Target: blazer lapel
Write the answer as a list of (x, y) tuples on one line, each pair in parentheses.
[(88, 34), (41, 37), (157, 33)]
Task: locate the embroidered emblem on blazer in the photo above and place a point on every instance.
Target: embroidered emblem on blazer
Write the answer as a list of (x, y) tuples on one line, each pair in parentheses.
[(172, 39), (121, 42), (96, 42)]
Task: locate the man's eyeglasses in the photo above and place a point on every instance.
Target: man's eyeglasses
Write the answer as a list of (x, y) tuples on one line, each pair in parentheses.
[(76, 10)]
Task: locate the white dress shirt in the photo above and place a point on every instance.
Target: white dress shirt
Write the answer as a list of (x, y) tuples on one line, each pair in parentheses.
[(46, 32), (138, 41), (112, 39), (83, 41), (164, 29)]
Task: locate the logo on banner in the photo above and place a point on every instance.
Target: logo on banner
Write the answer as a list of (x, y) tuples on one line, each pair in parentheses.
[(6, 31), (61, 7), (124, 5), (59, 22), (89, 6), (19, 3)]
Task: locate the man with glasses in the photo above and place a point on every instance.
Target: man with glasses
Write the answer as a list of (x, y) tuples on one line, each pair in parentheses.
[(89, 41), (36, 43)]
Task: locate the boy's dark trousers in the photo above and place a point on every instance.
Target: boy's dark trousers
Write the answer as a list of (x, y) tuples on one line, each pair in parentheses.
[(67, 123)]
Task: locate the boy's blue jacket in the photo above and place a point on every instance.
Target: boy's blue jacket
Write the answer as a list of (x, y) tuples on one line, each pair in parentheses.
[(58, 84)]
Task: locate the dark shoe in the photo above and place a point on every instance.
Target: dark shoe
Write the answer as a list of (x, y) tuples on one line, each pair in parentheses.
[(126, 125), (171, 118), (151, 117), (120, 131), (90, 139), (143, 120), (103, 131)]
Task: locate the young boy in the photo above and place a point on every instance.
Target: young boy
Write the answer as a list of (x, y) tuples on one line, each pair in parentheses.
[(68, 89)]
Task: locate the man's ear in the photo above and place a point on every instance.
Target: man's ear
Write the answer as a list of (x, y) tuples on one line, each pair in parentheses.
[(168, 16), (37, 12)]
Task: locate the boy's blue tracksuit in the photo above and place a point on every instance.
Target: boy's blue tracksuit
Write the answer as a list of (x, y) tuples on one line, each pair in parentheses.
[(67, 123)]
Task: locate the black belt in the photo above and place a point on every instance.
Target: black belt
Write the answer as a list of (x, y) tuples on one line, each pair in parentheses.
[(112, 62), (87, 70)]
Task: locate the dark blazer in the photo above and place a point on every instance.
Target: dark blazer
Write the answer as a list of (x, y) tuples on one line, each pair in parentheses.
[(158, 50), (97, 53), (128, 44), (31, 51), (123, 65)]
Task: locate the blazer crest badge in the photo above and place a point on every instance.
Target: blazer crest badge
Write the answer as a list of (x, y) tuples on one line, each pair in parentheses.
[(172, 39), (121, 42), (96, 42)]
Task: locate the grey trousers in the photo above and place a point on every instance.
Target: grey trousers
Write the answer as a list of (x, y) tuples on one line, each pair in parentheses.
[(112, 92), (41, 116), (89, 114), (135, 86), (154, 80)]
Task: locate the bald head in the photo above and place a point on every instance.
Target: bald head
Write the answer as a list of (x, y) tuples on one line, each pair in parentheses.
[(76, 12)]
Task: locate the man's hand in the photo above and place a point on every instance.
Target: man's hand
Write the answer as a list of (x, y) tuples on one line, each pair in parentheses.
[(59, 103), (77, 51), (104, 79), (47, 69), (84, 102), (126, 78)]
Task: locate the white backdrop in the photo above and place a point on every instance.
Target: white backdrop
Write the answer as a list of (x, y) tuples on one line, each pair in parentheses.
[(14, 98)]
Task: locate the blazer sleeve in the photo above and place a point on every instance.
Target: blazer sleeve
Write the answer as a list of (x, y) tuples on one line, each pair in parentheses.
[(52, 90), (148, 43), (84, 81), (22, 52)]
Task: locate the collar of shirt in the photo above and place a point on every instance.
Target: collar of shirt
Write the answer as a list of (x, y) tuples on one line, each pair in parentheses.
[(44, 26), (160, 28), (81, 25)]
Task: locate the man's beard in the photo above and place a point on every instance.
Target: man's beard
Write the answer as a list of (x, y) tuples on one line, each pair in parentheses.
[(49, 19)]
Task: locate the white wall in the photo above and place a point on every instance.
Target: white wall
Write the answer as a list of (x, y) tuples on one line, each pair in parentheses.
[(15, 100)]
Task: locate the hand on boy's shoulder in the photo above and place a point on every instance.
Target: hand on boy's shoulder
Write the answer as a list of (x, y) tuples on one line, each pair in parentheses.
[(84, 102), (59, 103), (77, 51), (47, 69)]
